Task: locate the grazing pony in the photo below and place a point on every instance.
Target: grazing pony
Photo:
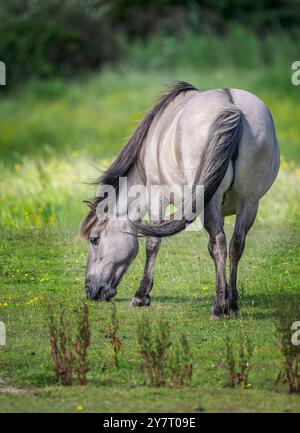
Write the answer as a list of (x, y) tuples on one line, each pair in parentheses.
[(221, 139)]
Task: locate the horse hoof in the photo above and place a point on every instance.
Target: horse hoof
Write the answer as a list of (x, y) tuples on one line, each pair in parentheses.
[(219, 316), (235, 313), (140, 302), (220, 310)]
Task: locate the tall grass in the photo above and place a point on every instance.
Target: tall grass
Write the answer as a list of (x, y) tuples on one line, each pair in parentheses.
[(40, 192), (239, 49)]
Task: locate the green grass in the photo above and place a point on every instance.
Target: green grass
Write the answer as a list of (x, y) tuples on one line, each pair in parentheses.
[(49, 136), (53, 266), (112, 399)]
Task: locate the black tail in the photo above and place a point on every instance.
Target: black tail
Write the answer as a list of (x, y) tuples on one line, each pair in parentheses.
[(223, 142)]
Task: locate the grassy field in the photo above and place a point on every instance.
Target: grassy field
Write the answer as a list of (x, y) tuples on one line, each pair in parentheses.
[(53, 138)]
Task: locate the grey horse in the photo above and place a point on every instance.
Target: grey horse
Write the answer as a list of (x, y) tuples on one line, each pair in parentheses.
[(222, 139)]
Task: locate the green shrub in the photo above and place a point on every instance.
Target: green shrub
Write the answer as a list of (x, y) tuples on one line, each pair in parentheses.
[(165, 361), (238, 362), (289, 371), (64, 37), (114, 337), (69, 352), (181, 366)]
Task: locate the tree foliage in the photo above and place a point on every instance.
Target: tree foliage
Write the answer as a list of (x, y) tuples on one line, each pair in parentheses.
[(61, 37)]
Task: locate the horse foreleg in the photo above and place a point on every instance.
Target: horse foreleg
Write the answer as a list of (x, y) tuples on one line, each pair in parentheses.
[(245, 218), (141, 297)]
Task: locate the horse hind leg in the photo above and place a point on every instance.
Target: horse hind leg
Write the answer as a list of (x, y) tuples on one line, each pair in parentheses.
[(245, 217), (214, 224)]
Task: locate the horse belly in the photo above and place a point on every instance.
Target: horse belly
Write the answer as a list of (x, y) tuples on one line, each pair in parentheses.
[(257, 164)]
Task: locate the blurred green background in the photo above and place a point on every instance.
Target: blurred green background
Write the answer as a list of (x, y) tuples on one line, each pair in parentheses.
[(49, 38)]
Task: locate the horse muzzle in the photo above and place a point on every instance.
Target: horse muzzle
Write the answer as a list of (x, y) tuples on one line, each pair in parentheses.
[(102, 293)]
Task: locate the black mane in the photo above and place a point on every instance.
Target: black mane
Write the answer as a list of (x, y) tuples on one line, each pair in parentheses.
[(126, 159)]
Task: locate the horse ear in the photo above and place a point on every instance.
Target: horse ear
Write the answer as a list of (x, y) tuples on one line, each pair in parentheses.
[(89, 204)]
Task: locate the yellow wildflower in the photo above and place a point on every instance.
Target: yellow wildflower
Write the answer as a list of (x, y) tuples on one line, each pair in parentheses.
[(284, 165)]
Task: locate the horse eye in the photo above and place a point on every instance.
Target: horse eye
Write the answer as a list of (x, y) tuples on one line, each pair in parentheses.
[(94, 240)]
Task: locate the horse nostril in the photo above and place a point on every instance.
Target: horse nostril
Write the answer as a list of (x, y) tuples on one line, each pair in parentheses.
[(103, 292), (92, 293)]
